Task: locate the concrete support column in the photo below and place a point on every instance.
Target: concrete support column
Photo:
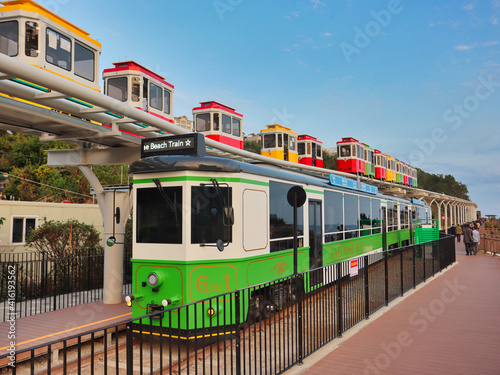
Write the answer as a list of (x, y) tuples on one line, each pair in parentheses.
[(109, 201), (113, 255)]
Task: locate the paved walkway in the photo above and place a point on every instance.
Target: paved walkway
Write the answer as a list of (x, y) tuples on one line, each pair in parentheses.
[(449, 325)]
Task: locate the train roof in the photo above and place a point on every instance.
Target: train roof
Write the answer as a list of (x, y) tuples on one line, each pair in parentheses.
[(306, 137), (32, 6), (278, 127), (214, 104), (132, 65), (167, 163)]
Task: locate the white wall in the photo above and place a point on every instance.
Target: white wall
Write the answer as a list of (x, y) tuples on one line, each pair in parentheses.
[(85, 213)]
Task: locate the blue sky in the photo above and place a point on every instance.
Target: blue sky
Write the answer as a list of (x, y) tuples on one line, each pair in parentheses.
[(419, 80)]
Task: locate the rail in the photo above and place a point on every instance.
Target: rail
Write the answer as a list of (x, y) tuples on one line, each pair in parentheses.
[(33, 283), (230, 343), (489, 244)]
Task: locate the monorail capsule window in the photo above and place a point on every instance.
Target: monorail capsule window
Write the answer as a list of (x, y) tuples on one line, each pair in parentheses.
[(9, 38), (159, 214), (209, 221), (31, 40), (58, 49)]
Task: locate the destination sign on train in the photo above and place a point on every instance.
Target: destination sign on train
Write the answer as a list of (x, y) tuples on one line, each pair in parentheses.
[(352, 184), (185, 144)]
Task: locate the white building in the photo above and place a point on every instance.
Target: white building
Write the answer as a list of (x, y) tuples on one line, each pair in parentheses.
[(20, 217)]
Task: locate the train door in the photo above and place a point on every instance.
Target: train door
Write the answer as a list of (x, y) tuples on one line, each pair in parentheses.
[(285, 147), (315, 240)]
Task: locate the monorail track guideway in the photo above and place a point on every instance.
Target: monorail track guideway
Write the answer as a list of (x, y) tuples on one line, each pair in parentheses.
[(108, 132)]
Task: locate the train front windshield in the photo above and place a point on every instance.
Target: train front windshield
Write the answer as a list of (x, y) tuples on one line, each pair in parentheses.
[(159, 215)]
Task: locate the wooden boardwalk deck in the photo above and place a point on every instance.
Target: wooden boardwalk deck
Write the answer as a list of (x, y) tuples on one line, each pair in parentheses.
[(56, 325), (450, 325)]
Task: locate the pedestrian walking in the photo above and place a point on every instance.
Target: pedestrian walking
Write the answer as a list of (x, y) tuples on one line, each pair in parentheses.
[(458, 232), (468, 239), (475, 239)]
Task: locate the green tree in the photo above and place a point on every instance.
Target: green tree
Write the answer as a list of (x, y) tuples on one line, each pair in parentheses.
[(329, 160), (252, 146)]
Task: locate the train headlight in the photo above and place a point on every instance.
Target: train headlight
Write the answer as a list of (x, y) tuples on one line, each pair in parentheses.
[(131, 297), (153, 279)]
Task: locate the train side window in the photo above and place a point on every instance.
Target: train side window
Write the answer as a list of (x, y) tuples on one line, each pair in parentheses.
[(334, 216), (156, 222), (301, 148), (345, 151), (376, 223), (280, 140), (281, 218), (351, 215), (269, 140), (318, 151), (145, 84), (308, 148), (207, 215), (136, 89), (9, 38), (216, 121), (117, 88), (203, 122), (166, 101), (155, 96), (84, 62), (58, 50), (353, 148), (364, 216), (292, 143), (31, 41), (236, 127), (226, 124)]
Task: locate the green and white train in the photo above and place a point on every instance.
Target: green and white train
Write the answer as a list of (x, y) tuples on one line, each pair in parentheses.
[(205, 225)]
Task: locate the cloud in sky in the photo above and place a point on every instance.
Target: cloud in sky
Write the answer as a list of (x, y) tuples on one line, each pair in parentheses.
[(464, 47), (469, 6)]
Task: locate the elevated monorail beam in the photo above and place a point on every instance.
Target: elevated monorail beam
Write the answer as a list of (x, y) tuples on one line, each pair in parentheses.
[(101, 105)]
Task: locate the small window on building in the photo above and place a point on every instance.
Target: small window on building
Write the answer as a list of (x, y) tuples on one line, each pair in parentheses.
[(21, 227), (58, 49), (9, 38), (84, 62), (31, 41)]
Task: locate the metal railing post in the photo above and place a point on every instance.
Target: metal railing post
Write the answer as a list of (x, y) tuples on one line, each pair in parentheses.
[(299, 307), (339, 300), (367, 290), (237, 299), (130, 350)]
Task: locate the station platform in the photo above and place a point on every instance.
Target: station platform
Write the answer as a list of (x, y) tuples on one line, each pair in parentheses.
[(55, 325), (448, 325)]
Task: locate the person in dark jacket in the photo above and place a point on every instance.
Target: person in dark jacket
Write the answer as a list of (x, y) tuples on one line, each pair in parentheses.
[(468, 239), (458, 232)]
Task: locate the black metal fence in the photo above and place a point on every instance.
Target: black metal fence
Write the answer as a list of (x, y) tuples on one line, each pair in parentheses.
[(32, 283), (248, 338)]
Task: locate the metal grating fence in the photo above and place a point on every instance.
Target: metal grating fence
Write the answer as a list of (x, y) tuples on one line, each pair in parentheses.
[(236, 341)]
